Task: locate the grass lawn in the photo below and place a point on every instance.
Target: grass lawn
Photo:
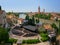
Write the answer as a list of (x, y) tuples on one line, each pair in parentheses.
[(50, 21)]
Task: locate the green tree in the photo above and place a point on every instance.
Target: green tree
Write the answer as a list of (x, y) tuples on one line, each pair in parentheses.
[(59, 27), (16, 14), (55, 27), (37, 20), (59, 24), (9, 13), (4, 36), (36, 15), (27, 17), (30, 21), (33, 20), (49, 15)]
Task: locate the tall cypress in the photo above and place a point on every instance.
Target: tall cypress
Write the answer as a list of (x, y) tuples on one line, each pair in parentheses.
[(0, 7)]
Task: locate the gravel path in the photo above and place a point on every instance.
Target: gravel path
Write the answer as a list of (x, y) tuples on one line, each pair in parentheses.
[(43, 43)]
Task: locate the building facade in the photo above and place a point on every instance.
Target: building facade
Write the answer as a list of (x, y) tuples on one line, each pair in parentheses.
[(3, 21)]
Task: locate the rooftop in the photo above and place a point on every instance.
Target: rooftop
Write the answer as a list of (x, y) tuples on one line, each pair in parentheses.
[(48, 26), (32, 28)]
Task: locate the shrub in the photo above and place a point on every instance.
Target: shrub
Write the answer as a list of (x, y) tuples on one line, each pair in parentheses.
[(8, 29), (44, 39), (44, 36), (31, 41), (12, 40), (4, 36)]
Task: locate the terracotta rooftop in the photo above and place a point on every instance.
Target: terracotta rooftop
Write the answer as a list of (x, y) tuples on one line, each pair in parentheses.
[(20, 19), (48, 26), (55, 15)]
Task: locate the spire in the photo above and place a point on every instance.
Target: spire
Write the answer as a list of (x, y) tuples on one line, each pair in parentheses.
[(38, 9), (0, 8)]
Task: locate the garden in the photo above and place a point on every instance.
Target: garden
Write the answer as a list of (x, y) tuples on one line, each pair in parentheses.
[(43, 34), (44, 37), (30, 41)]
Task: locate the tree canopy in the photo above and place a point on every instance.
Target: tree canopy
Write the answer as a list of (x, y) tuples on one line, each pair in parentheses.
[(27, 17), (54, 26), (43, 16), (4, 36), (31, 21)]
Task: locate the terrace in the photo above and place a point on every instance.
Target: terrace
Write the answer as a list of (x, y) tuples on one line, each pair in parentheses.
[(31, 28), (23, 32), (30, 34)]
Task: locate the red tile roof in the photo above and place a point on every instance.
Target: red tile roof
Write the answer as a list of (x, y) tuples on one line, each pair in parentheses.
[(20, 19), (48, 26)]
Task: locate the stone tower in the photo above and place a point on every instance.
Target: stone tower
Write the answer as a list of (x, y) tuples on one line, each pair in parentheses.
[(38, 9)]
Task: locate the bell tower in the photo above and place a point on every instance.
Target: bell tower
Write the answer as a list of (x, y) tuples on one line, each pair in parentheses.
[(38, 9)]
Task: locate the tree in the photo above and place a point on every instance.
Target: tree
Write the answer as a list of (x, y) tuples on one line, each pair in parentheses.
[(27, 17), (49, 15), (55, 27), (37, 20), (30, 21), (33, 20), (36, 15), (4, 36), (59, 27)]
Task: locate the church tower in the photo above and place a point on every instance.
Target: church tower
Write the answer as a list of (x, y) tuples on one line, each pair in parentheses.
[(38, 9)]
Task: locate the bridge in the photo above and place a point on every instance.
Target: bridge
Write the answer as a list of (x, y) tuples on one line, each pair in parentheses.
[(22, 12)]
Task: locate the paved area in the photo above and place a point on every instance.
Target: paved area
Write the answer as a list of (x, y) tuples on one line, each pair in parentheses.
[(21, 37), (43, 43)]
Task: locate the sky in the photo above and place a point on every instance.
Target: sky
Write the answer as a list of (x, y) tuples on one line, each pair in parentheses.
[(30, 5)]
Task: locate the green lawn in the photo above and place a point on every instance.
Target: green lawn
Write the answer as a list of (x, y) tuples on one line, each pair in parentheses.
[(50, 21)]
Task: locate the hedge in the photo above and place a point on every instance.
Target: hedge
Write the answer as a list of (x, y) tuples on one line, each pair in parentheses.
[(44, 36), (31, 41), (11, 40)]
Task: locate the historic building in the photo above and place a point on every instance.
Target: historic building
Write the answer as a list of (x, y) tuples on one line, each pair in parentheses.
[(39, 9), (3, 21), (11, 19)]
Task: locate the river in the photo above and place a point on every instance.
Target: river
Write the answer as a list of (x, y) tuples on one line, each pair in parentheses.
[(22, 16)]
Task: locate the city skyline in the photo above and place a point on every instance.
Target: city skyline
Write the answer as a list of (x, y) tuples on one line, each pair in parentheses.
[(30, 5)]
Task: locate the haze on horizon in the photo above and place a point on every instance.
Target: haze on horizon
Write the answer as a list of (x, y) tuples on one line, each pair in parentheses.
[(30, 5)]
